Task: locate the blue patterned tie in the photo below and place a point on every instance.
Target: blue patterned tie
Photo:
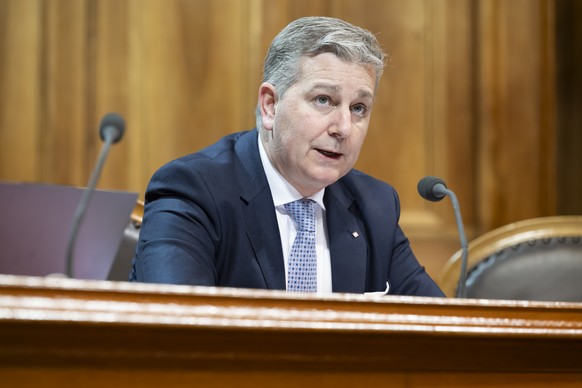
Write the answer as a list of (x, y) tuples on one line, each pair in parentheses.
[(302, 266)]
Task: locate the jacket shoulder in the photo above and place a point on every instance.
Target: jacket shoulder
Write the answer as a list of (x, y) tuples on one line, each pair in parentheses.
[(362, 185)]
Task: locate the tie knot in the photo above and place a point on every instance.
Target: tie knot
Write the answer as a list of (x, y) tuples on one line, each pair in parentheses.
[(303, 213)]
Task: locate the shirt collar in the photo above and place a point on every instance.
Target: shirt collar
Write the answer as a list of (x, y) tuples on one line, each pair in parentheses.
[(281, 190)]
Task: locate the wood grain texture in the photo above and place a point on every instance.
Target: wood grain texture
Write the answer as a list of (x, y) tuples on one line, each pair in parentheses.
[(21, 34), (517, 158), (64, 330), (469, 95)]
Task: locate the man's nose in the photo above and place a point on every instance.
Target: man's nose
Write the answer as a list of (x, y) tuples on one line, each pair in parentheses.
[(342, 124)]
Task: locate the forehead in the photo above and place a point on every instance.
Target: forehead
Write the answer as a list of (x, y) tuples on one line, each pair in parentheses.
[(327, 70)]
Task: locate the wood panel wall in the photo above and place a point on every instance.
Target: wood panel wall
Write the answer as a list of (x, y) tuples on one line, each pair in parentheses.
[(469, 95), (568, 27)]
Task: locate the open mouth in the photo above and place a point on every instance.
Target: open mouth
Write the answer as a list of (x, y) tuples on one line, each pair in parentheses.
[(332, 155)]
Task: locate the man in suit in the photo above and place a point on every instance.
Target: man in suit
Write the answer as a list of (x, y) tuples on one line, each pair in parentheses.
[(224, 216)]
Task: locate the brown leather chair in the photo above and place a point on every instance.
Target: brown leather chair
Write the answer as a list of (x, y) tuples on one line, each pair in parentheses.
[(536, 259), (122, 264)]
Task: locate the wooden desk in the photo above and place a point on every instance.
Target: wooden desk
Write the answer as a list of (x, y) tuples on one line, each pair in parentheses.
[(62, 332)]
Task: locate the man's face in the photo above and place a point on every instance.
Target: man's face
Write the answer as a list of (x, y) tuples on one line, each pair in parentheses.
[(315, 132)]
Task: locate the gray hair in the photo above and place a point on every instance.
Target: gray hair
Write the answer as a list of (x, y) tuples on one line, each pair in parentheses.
[(311, 36)]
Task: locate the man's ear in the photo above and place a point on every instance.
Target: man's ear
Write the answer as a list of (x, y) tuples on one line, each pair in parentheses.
[(267, 104)]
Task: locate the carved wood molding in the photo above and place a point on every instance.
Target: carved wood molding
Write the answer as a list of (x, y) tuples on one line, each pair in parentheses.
[(48, 321)]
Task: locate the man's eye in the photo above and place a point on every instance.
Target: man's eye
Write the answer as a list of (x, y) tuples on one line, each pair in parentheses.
[(322, 100), (359, 109)]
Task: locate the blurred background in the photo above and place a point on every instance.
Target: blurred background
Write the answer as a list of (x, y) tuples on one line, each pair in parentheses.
[(486, 94)]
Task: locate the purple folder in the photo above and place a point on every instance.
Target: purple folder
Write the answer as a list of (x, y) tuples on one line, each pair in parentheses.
[(36, 221)]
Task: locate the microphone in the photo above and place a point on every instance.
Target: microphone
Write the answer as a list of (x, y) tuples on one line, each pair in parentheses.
[(111, 131), (434, 189), (112, 128)]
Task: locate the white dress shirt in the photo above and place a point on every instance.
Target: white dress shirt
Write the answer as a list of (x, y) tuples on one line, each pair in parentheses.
[(283, 193)]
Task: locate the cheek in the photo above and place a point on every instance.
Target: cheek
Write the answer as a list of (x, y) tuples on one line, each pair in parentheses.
[(284, 140), (358, 137), (356, 146)]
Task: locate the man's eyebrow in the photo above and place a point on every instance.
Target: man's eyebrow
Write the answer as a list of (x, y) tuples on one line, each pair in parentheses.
[(365, 94), (329, 88), (336, 89)]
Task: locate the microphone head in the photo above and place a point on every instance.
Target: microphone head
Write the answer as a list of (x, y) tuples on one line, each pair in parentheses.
[(426, 188), (112, 125)]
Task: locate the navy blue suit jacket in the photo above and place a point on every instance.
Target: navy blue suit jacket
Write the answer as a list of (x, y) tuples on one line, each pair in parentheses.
[(210, 220)]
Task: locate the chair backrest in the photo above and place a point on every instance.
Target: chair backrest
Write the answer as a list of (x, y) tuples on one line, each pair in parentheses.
[(537, 259), (122, 264)]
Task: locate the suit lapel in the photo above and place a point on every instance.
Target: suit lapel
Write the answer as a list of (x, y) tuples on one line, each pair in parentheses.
[(347, 242), (258, 212)]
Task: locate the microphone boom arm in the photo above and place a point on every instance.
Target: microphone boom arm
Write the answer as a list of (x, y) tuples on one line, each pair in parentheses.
[(461, 290), (80, 210), (111, 131)]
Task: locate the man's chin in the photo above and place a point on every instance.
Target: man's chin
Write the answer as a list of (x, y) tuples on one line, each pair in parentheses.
[(326, 179)]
